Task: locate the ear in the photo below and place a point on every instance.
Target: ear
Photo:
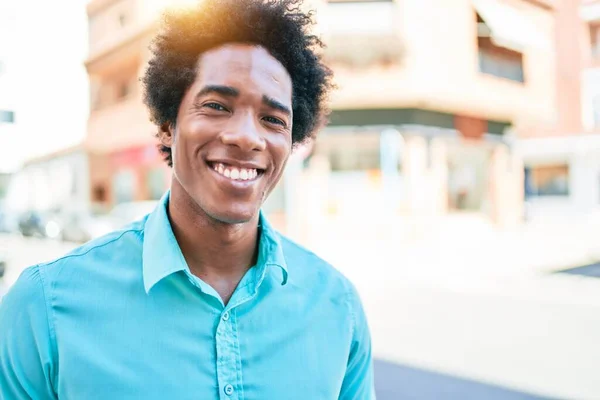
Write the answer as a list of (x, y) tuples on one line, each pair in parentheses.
[(166, 134)]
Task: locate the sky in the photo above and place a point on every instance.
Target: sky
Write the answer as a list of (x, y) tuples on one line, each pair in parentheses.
[(43, 46)]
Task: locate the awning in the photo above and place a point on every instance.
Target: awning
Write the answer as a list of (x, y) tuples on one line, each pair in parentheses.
[(509, 28)]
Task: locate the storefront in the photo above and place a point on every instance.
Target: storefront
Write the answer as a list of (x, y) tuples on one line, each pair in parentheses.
[(134, 174)]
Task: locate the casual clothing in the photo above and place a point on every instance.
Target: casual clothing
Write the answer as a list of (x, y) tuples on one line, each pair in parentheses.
[(123, 318)]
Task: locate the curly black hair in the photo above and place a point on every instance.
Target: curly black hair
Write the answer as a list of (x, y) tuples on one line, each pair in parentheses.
[(279, 26)]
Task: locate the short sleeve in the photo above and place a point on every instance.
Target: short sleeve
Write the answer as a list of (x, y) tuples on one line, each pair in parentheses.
[(27, 362), (358, 382)]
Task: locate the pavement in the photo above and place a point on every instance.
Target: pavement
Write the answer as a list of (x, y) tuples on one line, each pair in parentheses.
[(481, 305), (465, 312), (395, 381)]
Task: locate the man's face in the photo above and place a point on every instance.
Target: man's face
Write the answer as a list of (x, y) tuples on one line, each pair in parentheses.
[(233, 133)]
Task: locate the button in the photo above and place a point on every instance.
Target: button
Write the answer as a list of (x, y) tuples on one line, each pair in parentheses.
[(226, 316), (228, 390)]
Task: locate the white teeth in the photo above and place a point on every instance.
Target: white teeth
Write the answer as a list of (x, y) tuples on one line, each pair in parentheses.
[(243, 174)]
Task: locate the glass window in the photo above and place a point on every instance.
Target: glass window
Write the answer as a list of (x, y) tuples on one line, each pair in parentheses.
[(495, 60), (547, 180)]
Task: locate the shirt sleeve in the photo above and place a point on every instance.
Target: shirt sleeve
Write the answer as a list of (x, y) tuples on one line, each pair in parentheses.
[(26, 343), (358, 382)]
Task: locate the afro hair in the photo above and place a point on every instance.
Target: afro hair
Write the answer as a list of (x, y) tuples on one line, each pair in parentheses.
[(279, 26)]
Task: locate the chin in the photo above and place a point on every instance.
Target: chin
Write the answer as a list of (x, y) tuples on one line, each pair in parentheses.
[(234, 215)]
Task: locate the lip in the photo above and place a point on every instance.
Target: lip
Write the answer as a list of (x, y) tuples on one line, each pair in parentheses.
[(237, 164)]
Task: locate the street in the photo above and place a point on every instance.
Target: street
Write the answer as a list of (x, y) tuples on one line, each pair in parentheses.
[(510, 336)]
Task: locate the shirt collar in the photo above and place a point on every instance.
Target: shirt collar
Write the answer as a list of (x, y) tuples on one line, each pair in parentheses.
[(161, 255)]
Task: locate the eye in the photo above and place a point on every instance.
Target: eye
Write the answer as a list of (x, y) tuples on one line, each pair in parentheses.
[(273, 120), (215, 106)]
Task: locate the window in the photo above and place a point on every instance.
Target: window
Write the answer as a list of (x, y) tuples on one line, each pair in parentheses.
[(547, 180), (495, 60), (595, 40)]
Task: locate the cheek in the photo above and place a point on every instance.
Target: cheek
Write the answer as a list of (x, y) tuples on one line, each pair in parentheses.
[(281, 152), (186, 143)]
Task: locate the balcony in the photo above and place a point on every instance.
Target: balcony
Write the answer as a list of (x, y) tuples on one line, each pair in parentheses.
[(115, 23), (371, 26)]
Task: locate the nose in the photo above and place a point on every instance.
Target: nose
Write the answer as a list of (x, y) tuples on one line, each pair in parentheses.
[(244, 134)]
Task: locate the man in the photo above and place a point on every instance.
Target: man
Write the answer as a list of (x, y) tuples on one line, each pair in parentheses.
[(202, 299)]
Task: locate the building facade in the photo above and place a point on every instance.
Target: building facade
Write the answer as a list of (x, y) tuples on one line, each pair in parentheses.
[(57, 182), (431, 95), (562, 167)]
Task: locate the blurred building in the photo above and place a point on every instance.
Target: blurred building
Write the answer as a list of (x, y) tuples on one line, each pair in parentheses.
[(8, 130), (562, 174), (8, 125), (431, 95), (124, 161), (57, 181)]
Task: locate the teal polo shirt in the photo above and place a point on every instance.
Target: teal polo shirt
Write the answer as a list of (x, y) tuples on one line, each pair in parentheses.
[(123, 318)]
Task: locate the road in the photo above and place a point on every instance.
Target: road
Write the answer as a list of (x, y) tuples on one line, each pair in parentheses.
[(441, 336)]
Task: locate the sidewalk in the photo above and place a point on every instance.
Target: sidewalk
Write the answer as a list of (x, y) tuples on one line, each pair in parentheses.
[(481, 304), (471, 255)]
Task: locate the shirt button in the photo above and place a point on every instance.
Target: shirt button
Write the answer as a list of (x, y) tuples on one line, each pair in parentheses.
[(226, 316), (228, 390)]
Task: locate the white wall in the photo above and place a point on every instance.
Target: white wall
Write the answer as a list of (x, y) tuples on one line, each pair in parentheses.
[(49, 184), (582, 154), (590, 88)]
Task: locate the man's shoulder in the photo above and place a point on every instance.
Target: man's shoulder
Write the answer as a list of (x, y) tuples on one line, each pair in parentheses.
[(106, 249), (307, 265)]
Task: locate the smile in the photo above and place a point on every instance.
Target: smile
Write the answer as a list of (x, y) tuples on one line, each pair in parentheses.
[(235, 173)]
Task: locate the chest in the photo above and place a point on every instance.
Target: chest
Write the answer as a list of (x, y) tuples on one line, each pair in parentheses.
[(264, 349)]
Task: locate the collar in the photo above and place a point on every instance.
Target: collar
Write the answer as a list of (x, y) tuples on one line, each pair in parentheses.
[(162, 256)]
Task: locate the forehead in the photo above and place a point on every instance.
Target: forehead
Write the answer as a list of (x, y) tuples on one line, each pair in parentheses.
[(246, 68)]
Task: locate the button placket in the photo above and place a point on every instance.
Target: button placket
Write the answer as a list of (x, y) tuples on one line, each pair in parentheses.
[(229, 365), (227, 373)]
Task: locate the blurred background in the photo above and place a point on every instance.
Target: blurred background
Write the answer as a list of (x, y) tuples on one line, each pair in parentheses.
[(457, 184)]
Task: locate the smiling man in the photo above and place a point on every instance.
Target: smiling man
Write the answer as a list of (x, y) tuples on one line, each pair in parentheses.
[(202, 299)]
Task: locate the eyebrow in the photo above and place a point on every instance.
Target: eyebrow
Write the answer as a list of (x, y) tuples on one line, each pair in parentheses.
[(229, 91), (226, 91), (270, 102)]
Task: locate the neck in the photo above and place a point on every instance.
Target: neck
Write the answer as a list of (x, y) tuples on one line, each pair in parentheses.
[(217, 252)]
